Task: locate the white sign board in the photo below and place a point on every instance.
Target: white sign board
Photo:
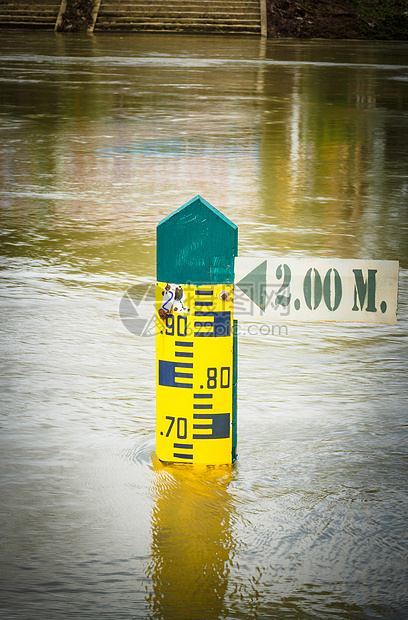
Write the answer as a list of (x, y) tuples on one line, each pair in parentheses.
[(316, 289)]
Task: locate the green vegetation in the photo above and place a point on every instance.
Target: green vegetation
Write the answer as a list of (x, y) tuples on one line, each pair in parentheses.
[(78, 15), (338, 19)]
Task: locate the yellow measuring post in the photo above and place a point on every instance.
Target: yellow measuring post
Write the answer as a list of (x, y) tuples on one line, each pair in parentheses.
[(195, 376), (195, 343)]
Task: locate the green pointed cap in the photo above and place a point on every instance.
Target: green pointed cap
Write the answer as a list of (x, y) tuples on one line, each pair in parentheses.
[(197, 244)]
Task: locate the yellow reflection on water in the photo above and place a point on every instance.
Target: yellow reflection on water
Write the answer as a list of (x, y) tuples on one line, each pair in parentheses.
[(192, 544)]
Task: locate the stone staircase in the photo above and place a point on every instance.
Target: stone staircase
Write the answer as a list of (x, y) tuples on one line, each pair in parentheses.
[(194, 16), (39, 14)]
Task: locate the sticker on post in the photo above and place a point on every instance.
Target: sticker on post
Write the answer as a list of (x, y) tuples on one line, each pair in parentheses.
[(173, 300)]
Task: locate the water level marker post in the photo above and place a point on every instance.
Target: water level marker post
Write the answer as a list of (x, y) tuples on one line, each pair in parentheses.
[(196, 348), (196, 335)]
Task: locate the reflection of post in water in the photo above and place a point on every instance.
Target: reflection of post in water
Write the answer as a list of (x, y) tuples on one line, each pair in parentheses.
[(192, 545)]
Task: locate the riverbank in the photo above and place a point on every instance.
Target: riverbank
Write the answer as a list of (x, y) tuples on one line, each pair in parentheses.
[(298, 19), (338, 19)]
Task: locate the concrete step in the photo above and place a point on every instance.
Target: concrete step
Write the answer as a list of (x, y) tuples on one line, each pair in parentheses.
[(32, 24), (32, 3), (28, 14), (183, 20), (234, 4), (214, 17), (175, 13), (30, 8), (174, 6), (182, 27)]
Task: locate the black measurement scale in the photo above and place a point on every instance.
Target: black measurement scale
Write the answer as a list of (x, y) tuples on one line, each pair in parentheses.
[(194, 392)]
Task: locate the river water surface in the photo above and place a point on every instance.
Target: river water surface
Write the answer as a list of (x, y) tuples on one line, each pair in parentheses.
[(304, 146)]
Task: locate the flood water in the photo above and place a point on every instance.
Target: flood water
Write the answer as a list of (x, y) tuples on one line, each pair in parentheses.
[(304, 146)]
